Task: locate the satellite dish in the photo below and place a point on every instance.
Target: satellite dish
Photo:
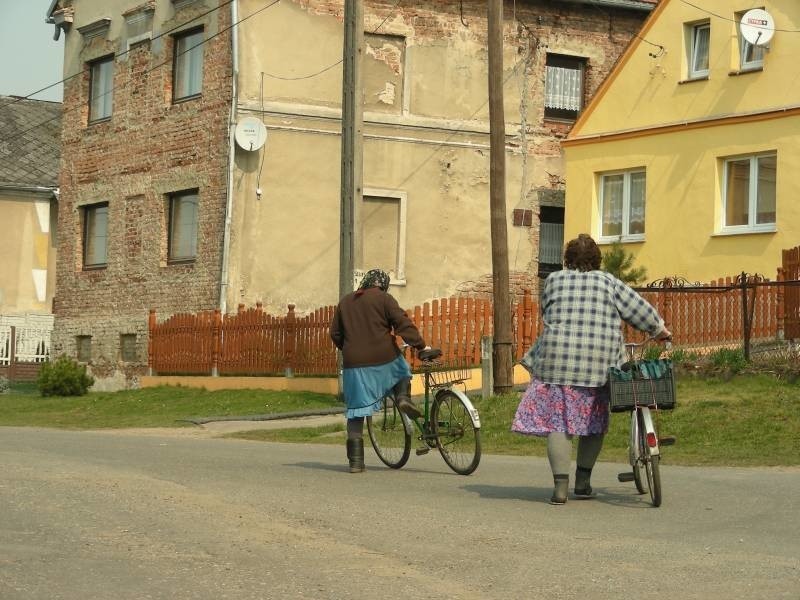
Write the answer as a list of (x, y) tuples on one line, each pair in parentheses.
[(757, 27), (250, 134)]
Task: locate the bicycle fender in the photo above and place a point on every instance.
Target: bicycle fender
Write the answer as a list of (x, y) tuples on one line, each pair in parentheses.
[(647, 417), (473, 412)]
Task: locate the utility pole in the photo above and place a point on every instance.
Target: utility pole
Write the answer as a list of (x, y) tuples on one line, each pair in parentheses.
[(503, 363), (352, 149)]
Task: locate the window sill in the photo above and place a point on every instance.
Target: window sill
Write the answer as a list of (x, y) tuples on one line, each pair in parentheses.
[(98, 121), (693, 79), (745, 71), (186, 99), (102, 267), (560, 120), (177, 262), (624, 239), (746, 231)]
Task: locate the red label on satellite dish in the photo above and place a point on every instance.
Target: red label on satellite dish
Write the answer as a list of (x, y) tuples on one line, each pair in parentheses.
[(762, 22)]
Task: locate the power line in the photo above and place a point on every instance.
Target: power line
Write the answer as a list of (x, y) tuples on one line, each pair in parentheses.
[(160, 35), (713, 14), (158, 66)]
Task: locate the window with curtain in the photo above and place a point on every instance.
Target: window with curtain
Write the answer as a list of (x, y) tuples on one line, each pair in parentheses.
[(699, 48), (622, 205), (187, 79), (183, 213), (101, 89), (563, 86), (95, 235), (750, 193)]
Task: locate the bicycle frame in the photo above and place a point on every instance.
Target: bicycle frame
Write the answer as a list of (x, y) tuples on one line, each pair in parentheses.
[(473, 412)]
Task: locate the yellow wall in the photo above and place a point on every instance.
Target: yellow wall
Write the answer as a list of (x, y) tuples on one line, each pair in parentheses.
[(27, 271), (680, 132), (322, 385), (648, 91)]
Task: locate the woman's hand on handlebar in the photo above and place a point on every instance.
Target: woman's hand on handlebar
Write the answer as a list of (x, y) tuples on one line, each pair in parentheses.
[(665, 335)]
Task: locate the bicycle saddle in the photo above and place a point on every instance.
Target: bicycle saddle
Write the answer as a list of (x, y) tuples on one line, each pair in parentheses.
[(429, 354)]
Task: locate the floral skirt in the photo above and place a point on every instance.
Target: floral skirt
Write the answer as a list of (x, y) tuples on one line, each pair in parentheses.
[(571, 409)]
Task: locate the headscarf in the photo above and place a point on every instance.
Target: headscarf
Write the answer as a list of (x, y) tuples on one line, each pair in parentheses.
[(374, 278)]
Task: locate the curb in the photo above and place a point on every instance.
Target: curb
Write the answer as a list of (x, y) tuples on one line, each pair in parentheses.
[(269, 417)]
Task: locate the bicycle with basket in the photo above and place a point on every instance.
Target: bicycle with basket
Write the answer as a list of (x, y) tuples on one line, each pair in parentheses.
[(643, 387), (449, 421)]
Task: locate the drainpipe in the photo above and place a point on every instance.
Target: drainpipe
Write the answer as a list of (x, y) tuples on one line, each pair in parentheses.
[(226, 239)]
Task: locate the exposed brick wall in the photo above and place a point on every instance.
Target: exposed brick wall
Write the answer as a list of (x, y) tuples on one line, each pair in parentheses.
[(149, 148)]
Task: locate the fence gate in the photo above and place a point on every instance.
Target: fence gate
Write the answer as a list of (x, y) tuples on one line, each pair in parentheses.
[(791, 297)]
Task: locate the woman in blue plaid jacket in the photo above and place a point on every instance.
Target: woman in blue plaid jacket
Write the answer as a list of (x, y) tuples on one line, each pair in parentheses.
[(582, 310)]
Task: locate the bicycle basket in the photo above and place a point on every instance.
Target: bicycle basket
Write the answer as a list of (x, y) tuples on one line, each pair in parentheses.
[(647, 383), (445, 373)]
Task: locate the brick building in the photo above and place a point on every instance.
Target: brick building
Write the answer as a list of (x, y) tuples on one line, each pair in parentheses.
[(160, 208)]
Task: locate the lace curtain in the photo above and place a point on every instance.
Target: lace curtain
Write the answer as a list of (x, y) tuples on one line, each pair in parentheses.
[(562, 88)]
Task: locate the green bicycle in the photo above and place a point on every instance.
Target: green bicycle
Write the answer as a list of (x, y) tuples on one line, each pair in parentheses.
[(449, 421)]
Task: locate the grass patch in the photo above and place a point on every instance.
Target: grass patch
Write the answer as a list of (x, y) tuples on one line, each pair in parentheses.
[(747, 421), (164, 406), (750, 420)]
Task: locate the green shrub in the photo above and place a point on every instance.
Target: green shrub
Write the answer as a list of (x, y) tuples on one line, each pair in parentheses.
[(5, 386), (620, 263), (731, 359), (63, 377)]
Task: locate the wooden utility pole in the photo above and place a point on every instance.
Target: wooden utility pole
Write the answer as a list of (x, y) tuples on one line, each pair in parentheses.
[(352, 150), (503, 363)]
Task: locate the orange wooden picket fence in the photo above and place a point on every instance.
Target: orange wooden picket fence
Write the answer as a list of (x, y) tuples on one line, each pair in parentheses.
[(252, 342), (710, 315), (790, 270)]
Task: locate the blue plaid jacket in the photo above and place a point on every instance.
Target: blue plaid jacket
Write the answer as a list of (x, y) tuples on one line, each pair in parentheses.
[(582, 337)]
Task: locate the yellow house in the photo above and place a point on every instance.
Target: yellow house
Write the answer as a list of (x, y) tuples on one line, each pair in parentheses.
[(689, 152)]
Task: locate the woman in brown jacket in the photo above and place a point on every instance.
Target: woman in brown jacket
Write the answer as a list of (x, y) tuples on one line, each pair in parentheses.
[(364, 327)]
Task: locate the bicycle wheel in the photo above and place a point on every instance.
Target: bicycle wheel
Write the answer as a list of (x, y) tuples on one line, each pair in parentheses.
[(390, 434), (650, 466), (636, 461), (458, 440)]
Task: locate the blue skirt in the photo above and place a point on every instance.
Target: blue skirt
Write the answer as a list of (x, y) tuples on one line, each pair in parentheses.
[(365, 387)]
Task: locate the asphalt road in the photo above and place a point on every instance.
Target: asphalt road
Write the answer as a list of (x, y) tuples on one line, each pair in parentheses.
[(91, 515)]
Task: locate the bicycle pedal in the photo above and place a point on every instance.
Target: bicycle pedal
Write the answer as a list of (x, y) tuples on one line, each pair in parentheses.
[(423, 450), (625, 477), (667, 440)]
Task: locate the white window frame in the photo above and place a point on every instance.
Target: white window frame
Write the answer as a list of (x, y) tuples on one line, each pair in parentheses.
[(625, 236), (398, 276), (101, 89), (744, 46), (752, 226), (693, 30)]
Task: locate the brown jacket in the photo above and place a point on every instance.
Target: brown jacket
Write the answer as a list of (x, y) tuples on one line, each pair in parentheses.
[(364, 328)]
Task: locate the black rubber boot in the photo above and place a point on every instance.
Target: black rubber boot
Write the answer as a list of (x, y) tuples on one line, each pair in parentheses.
[(582, 487), (355, 454), (402, 394), (560, 487)]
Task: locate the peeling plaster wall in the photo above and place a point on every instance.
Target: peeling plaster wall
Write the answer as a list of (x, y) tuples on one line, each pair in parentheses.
[(425, 135)]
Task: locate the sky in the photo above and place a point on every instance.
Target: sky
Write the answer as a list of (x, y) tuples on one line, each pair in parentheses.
[(30, 59)]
